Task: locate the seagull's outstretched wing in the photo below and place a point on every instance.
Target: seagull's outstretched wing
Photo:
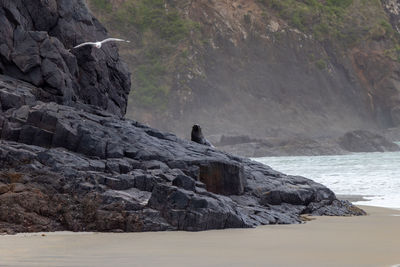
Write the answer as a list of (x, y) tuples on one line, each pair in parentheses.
[(114, 39), (83, 44)]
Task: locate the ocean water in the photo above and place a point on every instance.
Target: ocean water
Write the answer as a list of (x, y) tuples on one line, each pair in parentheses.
[(374, 175)]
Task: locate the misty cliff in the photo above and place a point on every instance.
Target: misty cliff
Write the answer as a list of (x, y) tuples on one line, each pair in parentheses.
[(260, 68)]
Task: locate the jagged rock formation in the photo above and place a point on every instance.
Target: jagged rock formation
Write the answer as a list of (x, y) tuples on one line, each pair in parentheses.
[(68, 163), (35, 38)]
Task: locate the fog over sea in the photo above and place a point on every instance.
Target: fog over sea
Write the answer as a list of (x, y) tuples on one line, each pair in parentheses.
[(373, 175)]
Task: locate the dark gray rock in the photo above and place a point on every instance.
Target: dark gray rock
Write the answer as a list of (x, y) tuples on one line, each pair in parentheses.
[(286, 146), (146, 182), (187, 211), (154, 164), (184, 182), (35, 44), (364, 141), (336, 208), (393, 134), (222, 177), (294, 196), (122, 182), (395, 112)]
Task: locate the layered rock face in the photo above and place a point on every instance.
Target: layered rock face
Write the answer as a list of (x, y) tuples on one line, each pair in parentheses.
[(68, 161), (36, 38)]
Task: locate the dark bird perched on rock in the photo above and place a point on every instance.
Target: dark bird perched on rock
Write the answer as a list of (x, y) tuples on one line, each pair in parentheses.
[(198, 137)]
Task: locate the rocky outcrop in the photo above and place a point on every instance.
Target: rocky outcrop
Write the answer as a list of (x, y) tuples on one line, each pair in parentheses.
[(81, 170), (355, 141), (364, 141), (392, 7), (36, 41), (68, 161), (393, 134), (297, 146)]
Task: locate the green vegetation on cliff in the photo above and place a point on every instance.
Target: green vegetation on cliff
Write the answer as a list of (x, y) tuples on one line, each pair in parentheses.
[(158, 32), (172, 42), (347, 21)]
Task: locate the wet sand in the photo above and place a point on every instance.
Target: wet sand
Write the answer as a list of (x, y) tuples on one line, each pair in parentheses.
[(372, 240)]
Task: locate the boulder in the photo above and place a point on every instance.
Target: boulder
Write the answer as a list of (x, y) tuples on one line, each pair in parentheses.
[(191, 212), (222, 177), (184, 182), (364, 141)]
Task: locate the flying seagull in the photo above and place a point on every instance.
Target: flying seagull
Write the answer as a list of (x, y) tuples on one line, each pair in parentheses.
[(99, 44)]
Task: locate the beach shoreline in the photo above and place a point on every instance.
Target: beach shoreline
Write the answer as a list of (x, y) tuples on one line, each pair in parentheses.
[(372, 240)]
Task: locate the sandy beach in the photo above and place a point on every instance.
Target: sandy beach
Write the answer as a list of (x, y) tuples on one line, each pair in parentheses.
[(372, 240)]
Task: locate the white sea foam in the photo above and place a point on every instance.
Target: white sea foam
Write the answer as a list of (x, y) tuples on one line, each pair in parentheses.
[(376, 175)]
